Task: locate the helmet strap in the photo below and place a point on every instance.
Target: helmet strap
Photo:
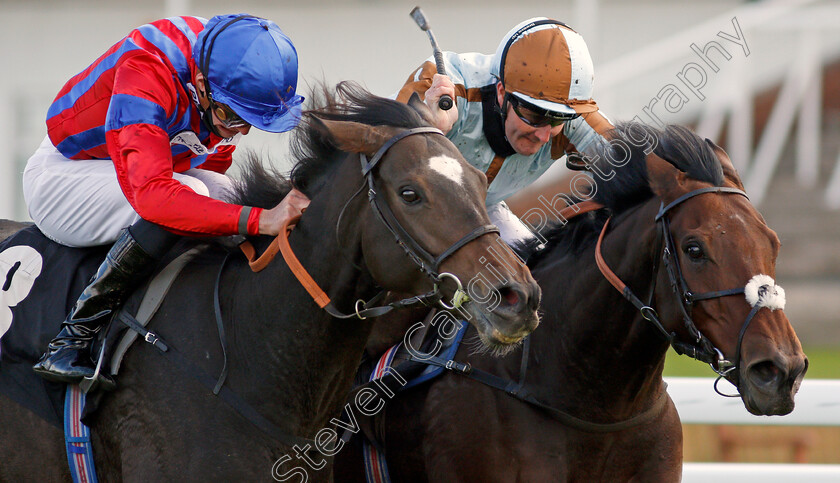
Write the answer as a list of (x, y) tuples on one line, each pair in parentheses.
[(504, 107), (207, 120), (501, 109), (204, 67), (206, 114), (493, 122)]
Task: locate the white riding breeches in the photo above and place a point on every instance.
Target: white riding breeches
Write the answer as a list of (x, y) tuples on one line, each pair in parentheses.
[(80, 203), (511, 228)]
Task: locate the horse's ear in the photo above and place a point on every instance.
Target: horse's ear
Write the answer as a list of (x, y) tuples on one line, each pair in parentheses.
[(418, 105), (354, 137), (666, 181), (729, 171)]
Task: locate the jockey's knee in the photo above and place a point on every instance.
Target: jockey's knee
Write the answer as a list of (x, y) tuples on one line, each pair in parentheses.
[(194, 184)]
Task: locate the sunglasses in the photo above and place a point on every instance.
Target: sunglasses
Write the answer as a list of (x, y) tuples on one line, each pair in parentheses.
[(536, 117), (225, 114)]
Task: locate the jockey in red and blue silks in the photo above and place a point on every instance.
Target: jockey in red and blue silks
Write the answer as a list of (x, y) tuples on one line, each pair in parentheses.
[(137, 105), (136, 151)]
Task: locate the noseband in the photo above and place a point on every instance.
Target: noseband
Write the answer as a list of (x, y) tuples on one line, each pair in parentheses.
[(700, 347)]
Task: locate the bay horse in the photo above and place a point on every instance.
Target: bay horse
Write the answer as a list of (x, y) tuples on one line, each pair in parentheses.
[(291, 363), (587, 401)]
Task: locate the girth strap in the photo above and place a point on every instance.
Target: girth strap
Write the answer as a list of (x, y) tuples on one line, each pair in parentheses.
[(228, 396)]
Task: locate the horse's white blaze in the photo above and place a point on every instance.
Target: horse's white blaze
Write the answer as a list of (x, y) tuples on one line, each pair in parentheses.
[(448, 167), (738, 219), (762, 290)]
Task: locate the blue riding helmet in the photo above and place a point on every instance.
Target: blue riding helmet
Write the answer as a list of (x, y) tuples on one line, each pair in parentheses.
[(254, 70)]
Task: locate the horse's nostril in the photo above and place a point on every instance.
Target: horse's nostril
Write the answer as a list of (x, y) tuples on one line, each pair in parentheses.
[(510, 297), (798, 370), (765, 372)]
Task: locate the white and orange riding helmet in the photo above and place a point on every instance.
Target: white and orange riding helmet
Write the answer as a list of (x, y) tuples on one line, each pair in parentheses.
[(546, 64)]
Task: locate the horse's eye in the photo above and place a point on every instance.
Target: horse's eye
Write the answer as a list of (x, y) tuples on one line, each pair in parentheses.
[(694, 251), (409, 196)]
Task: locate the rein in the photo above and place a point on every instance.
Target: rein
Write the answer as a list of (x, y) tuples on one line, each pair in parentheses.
[(700, 348), (428, 263)]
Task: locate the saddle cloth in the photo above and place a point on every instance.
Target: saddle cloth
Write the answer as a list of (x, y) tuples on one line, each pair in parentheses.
[(41, 280), (415, 371)]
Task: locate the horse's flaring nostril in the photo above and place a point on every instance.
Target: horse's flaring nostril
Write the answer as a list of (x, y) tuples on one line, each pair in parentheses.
[(510, 296)]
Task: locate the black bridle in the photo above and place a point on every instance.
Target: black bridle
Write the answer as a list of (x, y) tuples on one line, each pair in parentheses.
[(699, 347), (428, 263)]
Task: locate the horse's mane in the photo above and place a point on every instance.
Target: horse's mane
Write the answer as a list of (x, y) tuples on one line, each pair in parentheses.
[(630, 186), (313, 150), (678, 145)]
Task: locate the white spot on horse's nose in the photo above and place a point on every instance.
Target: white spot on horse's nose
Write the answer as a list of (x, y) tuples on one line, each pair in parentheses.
[(448, 167), (762, 290), (738, 219)]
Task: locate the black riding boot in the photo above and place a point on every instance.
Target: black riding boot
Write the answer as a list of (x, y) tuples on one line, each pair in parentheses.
[(127, 265)]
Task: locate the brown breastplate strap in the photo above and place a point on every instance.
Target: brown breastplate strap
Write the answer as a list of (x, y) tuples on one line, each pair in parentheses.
[(281, 245), (578, 209), (602, 264)]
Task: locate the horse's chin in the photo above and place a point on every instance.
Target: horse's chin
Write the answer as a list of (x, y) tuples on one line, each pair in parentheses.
[(768, 399), (492, 339), (763, 406)]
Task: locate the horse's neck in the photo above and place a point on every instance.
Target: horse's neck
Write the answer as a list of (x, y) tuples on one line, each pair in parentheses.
[(308, 356), (591, 340), (10, 227)]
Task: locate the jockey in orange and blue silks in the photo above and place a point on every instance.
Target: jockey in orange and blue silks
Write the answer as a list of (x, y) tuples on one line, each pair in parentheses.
[(137, 147), (516, 111)]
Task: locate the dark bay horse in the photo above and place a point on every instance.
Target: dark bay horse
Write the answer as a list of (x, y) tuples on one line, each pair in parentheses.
[(289, 361), (594, 367)]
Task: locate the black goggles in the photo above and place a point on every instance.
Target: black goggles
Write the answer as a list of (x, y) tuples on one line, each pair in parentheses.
[(225, 114), (535, 116)]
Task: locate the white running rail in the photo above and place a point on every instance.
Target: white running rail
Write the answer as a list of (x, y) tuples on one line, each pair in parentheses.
[(817, 404)]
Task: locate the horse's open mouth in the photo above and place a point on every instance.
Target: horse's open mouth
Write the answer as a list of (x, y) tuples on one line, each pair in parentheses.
[(504, 339), (492, 338)]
